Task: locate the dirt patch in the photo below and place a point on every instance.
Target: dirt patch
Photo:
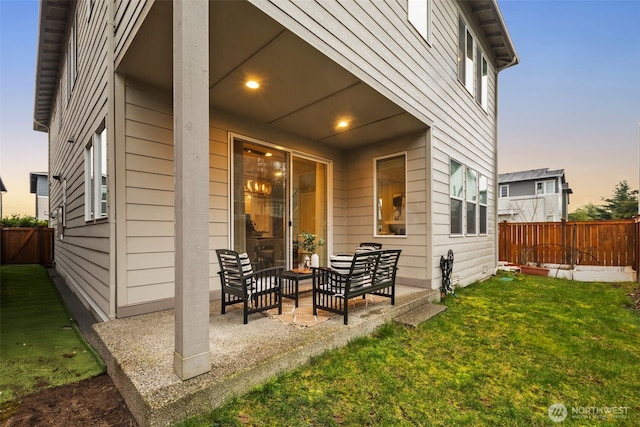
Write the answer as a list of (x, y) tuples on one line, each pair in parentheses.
[(635, 298), (92, 402)]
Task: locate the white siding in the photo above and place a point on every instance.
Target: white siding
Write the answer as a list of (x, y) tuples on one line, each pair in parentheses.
[(360, 205), (128, 15), (82, 257), (149, 252), (375, 41)]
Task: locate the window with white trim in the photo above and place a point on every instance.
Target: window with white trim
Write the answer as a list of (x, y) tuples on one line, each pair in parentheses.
[(456, 194), (465, 55), (483, 197), (390, 200), (504, 190), (89, 5), (482, 74), (95, 172), (419, 12), (72, 59), (471, 199), (545, 187)]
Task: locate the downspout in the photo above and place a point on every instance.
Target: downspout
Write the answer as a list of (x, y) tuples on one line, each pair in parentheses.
[(496, 184), (113, 253)]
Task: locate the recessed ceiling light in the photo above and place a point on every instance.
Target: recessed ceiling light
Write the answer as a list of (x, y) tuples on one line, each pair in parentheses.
[(252, 84), (268, 154), (343, 124)]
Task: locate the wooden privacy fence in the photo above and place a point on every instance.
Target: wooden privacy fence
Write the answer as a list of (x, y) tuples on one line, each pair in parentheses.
[(605, 243), (26, 245)]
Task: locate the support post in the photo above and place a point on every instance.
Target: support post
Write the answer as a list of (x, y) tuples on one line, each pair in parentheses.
[(192, 356)]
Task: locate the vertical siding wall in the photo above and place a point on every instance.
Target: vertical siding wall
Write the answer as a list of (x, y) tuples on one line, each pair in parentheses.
[(375, 41), (82, 257)]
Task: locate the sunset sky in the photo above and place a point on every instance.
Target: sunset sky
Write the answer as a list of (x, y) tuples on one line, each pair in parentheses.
[(572, 103)]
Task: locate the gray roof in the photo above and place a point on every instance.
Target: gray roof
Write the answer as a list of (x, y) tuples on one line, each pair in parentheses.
[(530, 175)]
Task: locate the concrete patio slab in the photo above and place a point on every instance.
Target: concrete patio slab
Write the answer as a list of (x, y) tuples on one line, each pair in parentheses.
[(138, 352)]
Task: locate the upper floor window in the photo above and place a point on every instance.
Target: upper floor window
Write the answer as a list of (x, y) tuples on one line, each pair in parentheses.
[(390, 191), (504, 190), (465, 55), (419, 12), (482, 75), (72, 59), (89, 5), (545, 187), (95, 157)]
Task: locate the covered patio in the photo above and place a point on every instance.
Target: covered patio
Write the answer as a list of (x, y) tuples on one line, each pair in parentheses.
[(242, 356), (297, 92)]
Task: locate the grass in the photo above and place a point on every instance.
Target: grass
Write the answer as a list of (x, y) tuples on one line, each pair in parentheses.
[(502, 353), (40, 344)]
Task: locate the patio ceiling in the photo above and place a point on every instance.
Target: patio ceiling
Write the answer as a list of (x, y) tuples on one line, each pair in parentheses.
[(301, 91)]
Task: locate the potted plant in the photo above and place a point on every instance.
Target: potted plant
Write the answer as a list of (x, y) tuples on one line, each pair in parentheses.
[(309, 245)]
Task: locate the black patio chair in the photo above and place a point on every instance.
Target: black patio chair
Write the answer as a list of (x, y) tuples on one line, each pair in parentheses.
[(373, 245), (256, 290)]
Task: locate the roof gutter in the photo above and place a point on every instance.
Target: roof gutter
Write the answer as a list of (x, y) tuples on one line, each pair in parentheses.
[(507, 37)]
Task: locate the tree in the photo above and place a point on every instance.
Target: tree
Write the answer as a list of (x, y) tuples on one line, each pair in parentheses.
[(623, 204), (589, 212)]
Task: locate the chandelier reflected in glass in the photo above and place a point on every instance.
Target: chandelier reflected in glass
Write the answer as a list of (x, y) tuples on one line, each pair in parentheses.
[(256, 186)]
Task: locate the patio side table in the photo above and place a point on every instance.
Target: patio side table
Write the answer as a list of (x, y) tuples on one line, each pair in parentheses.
[(291, 283)]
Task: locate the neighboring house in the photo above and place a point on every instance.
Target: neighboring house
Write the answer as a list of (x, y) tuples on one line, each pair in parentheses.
[(39, 185), (538, 195), (179, 130), (3, 189)]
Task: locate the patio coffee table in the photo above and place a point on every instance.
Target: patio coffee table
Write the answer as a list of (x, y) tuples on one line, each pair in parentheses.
[(291, 283)]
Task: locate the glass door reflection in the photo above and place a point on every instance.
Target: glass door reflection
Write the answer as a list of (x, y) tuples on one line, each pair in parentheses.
[(260, 177)]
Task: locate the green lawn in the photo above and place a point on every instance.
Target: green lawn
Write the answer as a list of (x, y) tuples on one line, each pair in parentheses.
[(501, 355), (40, 345)]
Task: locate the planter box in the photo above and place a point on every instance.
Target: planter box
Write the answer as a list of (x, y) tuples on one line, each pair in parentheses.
[(534, 271)]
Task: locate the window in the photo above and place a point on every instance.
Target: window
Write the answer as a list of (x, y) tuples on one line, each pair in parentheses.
[(483, 188), (89, 8), (419, 12), (545, 187), (390, 195), (465, 55), (472, 199), (456, 184), (483, 80), (95, 187), (504, 190), (72, 59), (88, 182)]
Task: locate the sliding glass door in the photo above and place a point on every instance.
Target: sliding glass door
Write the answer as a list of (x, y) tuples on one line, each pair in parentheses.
[(309, 209), (277, 197), (260, 203)]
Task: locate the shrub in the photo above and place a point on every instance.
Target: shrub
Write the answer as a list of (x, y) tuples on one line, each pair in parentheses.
[(22, 221)]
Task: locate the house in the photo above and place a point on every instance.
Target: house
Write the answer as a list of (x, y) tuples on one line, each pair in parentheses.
[(39, 185), (537, 195), (176, 128), (3, 189)]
